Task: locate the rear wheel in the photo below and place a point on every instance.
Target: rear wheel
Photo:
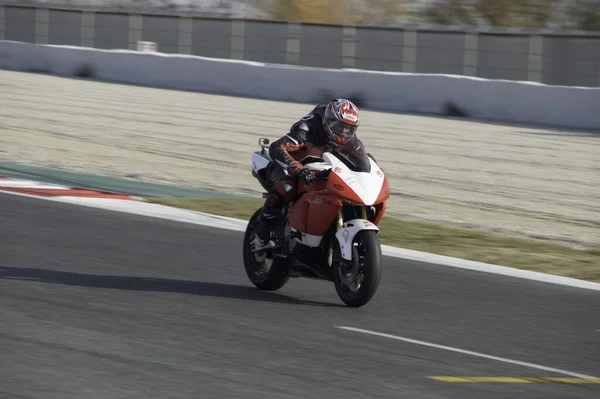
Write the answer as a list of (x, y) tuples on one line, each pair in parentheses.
[(263, 271), (356, 281)]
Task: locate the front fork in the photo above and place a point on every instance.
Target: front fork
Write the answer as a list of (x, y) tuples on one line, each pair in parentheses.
[(339, 219), (339, 224), (348, 229)]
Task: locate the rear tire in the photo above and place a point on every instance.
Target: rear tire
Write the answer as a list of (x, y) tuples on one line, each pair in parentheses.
[(367, 253), (263, 271)]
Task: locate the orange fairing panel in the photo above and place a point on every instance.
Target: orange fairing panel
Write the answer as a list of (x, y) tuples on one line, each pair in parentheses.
[(298, 212), (321, 213), (314, 212)]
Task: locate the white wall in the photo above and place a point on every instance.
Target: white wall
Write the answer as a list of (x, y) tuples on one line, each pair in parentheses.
[(422, 93)]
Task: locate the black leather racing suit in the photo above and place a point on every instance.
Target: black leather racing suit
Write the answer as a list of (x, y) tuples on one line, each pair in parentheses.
[(307, 138)]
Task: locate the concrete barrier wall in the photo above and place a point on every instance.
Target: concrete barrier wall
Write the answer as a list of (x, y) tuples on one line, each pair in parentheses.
[(399, 92)]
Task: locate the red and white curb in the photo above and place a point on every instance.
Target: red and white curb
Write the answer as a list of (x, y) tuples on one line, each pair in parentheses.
[(40, 189), (133, 205)]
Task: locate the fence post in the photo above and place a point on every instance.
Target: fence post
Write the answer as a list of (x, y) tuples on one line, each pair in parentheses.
[(42, 19), (237, 40), (536, 48), (135, 30), (409, 51), (599, 69), (293, 42), (2, 12), (471, 52), (185, 35), (88, 35), (349, 47)]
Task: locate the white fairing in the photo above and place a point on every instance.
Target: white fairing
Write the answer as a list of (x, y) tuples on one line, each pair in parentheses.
[(259, 162), (367, 186), (346, 235)]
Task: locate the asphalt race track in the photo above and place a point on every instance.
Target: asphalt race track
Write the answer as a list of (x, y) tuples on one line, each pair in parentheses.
[(100, 304)]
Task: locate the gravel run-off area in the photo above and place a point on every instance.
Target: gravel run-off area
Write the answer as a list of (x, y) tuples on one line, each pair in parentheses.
[(521, 180)]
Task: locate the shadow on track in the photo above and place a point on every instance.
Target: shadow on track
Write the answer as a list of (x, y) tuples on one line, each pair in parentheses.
[(132, 283)]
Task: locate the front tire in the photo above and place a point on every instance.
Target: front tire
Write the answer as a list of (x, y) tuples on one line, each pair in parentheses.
[(263, 271), (357, 281)]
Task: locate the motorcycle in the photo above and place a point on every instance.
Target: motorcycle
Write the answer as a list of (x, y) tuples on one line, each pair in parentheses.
[(330, 232)]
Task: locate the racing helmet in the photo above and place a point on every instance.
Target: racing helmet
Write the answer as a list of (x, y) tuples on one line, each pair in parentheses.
[(341, 120)]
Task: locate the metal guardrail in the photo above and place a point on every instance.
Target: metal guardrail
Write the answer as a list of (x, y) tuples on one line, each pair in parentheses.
[(164, 11), (548, 56)]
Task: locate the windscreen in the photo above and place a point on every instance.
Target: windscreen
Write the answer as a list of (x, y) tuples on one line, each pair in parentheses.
[(354, 156)]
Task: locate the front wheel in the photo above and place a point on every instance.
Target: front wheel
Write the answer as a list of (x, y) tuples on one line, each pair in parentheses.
[(356, 281), (263, 271)]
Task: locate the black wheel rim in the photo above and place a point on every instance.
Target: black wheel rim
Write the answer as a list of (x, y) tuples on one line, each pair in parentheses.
[(351, 274)]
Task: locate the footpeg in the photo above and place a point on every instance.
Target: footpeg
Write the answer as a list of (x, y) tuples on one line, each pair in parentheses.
[(260, 248)]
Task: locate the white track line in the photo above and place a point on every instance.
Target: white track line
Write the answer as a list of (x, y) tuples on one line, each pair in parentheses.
[(466, 352), (487, 268), (227, 223), (17, 183)]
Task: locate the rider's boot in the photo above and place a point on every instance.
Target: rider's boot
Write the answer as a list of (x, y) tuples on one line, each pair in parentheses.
[(270, 210), (264, 227)]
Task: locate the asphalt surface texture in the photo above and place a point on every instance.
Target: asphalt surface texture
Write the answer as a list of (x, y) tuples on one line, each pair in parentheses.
[(101, 304)]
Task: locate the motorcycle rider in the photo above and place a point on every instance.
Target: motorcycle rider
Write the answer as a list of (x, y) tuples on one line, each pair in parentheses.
[(326, 127)]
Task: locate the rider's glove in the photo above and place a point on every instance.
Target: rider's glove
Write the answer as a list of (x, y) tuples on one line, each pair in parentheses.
[(308, 176)]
